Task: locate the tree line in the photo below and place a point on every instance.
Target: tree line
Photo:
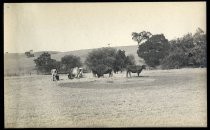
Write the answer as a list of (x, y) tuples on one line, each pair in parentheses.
[(97, 60), (186, 51), (157, 52)]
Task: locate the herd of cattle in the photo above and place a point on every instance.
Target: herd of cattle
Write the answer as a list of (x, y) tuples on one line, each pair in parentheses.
[(77, 72)]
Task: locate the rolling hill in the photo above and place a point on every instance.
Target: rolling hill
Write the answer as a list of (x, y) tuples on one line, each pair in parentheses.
[(19, 64)]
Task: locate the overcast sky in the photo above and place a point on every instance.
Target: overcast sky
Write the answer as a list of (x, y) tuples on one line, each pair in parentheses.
[(74, 26)]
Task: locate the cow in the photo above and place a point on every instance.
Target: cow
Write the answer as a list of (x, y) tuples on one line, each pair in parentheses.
[(134, 69), (75, 72), (109, 71), (104, 70), (54, 74)]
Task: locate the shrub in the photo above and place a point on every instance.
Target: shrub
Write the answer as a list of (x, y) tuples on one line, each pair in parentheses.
[(120, 61), (70, 61), (44, 63), (187, 51), (101, 56), (174, 60), (130, 60)]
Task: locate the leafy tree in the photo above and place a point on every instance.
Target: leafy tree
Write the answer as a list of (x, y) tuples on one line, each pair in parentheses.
[(102, 56), (61, 67), (199, 37), (189, 50), (198, 56), (139, 37), (120, 61), (154, 50), (44, 63), (101, 59), (70, 61), (176, 59), (186, 42), (198, 52), (130, 60)]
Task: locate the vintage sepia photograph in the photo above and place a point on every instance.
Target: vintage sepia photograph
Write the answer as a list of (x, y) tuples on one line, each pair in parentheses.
[(105, 64)]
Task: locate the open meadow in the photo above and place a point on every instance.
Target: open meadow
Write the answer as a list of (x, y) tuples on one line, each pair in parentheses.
[(158, 98)]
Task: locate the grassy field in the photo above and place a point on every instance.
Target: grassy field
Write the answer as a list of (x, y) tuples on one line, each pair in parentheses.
[(158, 98)]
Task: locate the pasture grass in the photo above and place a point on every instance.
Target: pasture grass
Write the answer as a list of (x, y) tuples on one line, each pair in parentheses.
[(158, 98)]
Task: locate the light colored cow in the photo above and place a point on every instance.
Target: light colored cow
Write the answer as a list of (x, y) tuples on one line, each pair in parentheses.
[(75, 72), (134, 69)]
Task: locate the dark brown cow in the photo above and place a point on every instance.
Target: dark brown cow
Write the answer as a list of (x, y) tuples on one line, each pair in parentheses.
[(134, 69), (104, 70)]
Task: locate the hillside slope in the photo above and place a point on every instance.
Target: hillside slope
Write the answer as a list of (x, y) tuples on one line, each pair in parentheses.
[(18, 63)]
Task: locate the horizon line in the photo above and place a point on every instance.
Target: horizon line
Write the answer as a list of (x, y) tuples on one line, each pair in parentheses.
[(6, 52)]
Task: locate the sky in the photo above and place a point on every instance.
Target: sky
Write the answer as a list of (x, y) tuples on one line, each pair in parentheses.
[(74, 26)]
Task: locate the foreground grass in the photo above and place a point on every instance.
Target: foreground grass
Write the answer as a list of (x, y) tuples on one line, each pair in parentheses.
[(157, 98)]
